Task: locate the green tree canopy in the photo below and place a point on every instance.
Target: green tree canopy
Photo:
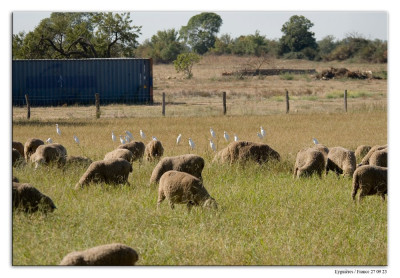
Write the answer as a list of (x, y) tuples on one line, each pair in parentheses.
[(78, 35), (297, 35), (200, 32)]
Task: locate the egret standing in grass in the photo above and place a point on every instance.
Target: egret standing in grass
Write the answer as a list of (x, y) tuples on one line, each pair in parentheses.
[(76, 139), (129, 135), (226, 136), (113, 136), (178, 139), (263, 133), (212, 146), (235, 138), (49, 141), (127, 139), (212, 132), (315, 141), (142, 134), (260, 135), (58, 130), (191, 144), (121, 139)]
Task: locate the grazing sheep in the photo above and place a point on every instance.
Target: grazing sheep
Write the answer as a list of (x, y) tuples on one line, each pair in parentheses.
[(30, 147), (365, 160), (29, 199), (243, 151), (379, 158), (17, 159), (188, 163), (370, 180), (77, 160), (19, 147), (137, 149), (46, 154), (341, 161), (114, 254), (154, 150), (183, 188), (120, 153), (308, 162), (108, 171), (362, 151)]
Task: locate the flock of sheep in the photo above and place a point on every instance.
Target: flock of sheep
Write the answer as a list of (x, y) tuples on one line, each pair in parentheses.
[(180, 180)]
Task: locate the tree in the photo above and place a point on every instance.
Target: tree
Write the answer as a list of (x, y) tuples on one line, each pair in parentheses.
[(184, 63), (200, 32), (297, 35), (250, 45), (79, 35)]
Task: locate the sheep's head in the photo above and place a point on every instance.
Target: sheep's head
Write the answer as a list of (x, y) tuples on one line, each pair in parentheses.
[(210, 203)]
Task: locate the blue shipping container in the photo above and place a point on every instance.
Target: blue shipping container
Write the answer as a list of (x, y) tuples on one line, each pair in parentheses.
[(58, 82)]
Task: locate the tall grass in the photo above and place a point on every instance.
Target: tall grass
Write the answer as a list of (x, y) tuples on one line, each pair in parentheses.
[(265, 217)]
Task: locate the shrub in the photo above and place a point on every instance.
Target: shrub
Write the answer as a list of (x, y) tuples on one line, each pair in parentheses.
[(184, 63)]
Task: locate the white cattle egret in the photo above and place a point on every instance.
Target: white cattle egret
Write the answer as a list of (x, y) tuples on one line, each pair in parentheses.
[(235, 138), (178, 139), (58, 130), (262, 131), (212, 145), (49, 141), (127, 138), (226, 136), (212, 132), (121, 139), (191, 143), (142, 134), (129, 134), (113, 136), (315, 141), (154, 138), (260, 135), (76, 139)]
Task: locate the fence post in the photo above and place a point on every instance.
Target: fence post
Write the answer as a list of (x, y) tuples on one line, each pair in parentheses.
[(97, 97), (28, 107), (163, 104), (287, 102), (224, 102), (345, 100)]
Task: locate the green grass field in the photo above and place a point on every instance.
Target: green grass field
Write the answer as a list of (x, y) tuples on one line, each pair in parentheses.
[(265, 217)]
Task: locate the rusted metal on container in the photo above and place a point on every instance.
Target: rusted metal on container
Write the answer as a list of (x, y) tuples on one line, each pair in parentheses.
[(59, 82)]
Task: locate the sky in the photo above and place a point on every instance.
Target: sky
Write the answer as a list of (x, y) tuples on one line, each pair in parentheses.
[(370, 24)]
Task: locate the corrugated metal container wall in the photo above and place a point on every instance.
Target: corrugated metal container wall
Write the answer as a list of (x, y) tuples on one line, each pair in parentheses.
[(58, 82)]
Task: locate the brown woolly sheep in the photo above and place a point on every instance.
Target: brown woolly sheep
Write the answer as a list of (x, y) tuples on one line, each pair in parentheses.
[(46, 154), (154, 150), (370, 180), (30, 147), (108, 171), (308, 162), (19, 147), (120, 153), (365, 160), (188, 163), (137, 148), (77, 160), (379, 158), (114, 254), (29, 199), (362, 151), (341, 161), (243, 151), (17, 159), (183, 188)]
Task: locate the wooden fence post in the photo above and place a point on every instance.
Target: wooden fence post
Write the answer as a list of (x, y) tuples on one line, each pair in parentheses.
[(28, 107), (97, 97), (224, 102), (345, 100), (163, 104), (287, 102)]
